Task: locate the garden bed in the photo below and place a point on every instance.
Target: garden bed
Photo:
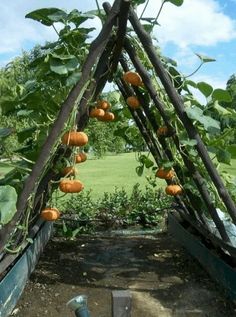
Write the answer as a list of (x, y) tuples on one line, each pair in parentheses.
[(162, 278)]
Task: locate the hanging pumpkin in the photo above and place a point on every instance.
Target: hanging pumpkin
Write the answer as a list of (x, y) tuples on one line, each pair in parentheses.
[(50, 214), (133, 78), (173, 190), (70, 186), (96, 113), (162, 131), (69, 171), (133, 102), (80, 157), (83, 156), (165, 174), (109, 116), (103, 104), (74, 138)]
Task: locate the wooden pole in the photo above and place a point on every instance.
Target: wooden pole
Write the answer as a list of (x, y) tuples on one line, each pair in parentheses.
[(198, 179), (177, 102)]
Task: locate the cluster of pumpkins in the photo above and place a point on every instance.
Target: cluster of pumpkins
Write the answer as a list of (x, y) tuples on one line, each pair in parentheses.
[(101, 111), (67, 185), (133, 102), (74, 138)]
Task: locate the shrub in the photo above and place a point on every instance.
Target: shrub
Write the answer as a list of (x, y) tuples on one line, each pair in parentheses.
[(82, 213)]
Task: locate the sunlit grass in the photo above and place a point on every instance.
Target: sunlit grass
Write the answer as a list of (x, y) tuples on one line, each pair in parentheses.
[(104, 175)]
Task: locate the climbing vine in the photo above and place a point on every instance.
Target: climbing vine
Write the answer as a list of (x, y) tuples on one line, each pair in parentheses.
[(54, 76)]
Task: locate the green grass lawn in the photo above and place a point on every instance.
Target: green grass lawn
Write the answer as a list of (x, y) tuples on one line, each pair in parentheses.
[(105, 174)]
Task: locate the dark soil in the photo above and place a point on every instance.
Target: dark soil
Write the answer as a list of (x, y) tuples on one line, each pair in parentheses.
[(162, 278)]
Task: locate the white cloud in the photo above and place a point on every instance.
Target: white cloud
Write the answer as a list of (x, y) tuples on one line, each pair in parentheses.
[(200, 22), (196, 22), (16, 31)]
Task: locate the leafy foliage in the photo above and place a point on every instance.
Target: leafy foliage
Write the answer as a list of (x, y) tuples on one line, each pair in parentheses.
[(8, 198), (34, 87), (83, 213)]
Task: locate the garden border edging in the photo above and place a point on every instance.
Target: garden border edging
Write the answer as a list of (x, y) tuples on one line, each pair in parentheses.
[(218, 269), (13, 283)]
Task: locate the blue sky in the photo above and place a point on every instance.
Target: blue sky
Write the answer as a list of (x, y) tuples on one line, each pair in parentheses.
[(200, 26)]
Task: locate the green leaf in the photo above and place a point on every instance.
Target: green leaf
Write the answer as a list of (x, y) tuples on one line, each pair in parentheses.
[(138, 2), (221, 110), (72, 64), (221, 95), (139, 170), (205, 59), (232, 150), (58, 67), (148, 163), (190, 83), (167, 165), (223, 156), (8, 199), (205, 88), (24, 113), (210, 124), (8, 106), (47, 16), (191, 142), (114, 97), (77, 17), (148, 27), (25, 134), (176, 76), (62, 65), (62, 57), (5, 132), (73, 79), (177, 3)]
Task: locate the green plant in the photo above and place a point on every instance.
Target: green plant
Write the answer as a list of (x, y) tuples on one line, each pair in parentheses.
[(113, 208), (78, 214), (148, 206)]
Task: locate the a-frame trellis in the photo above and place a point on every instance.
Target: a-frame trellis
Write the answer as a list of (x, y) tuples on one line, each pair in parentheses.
[(108, 51)]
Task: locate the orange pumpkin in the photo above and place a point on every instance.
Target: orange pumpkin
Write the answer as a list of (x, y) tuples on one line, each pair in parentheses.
[(109, 116), (83, 156), (162, 131), (80, 157), (173, 190), (74, 138), (165, 174), (50, 214), (96, 113), (70, 186), (133, 78), (69, 171), (103, 104), (133, 102)]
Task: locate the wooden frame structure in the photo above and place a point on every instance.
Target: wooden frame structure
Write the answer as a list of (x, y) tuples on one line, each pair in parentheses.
[(108, 52)]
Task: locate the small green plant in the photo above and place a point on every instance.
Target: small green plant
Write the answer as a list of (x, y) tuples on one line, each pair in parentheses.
[(113, 208), (82, 214), (148, 206)]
